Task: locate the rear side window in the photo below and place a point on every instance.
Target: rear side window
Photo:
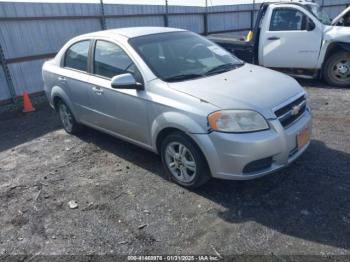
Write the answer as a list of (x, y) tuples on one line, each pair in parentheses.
[(288, 19), (110, 60), (77, 56)]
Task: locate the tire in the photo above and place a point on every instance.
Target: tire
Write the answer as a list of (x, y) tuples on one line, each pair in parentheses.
[(67, 118), (336, 70), (187, 168)]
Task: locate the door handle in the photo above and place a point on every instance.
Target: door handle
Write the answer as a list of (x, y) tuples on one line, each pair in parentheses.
[(61, 78), (273, 38), (97, 90)]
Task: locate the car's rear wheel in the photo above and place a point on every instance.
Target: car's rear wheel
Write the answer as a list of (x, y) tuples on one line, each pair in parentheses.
[(184, 161), (66, 116), (336, 70)]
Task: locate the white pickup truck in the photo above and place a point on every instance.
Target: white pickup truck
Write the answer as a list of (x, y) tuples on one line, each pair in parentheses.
[(297, 38)]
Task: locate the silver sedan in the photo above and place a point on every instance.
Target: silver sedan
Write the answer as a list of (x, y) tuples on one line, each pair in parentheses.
[(173, 92)]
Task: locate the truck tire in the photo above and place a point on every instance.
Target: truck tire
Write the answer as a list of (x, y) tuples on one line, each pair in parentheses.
[(336, 69), (183, 161)]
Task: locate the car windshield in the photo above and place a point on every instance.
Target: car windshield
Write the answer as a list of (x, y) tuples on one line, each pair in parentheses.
[(179, 56), (320, 14)]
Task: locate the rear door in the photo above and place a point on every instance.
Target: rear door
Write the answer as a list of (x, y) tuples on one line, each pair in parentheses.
[(74, 77), (289, 38)]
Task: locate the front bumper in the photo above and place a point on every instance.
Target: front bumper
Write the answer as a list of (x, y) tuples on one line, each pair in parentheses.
[(228, 155)]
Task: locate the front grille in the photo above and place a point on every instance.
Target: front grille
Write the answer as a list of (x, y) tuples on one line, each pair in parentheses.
[(258, 165), (288, 114), (293, 152)]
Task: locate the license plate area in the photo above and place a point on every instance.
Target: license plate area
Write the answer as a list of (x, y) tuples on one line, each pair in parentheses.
[(303, 138)]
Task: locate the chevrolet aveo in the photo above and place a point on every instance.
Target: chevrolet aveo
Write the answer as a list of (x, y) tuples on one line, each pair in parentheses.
[(173, 92)]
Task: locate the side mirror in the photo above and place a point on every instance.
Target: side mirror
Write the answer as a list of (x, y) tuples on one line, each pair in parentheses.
[(125, 81)]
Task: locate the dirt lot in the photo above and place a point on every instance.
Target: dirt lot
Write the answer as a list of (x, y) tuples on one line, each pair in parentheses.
[(127, 206)]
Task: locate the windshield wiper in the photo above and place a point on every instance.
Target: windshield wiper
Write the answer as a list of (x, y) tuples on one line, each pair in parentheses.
[(222, 68), (183, 77)]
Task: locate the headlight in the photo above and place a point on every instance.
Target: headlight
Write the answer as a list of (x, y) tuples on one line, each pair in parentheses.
[(237, 121)]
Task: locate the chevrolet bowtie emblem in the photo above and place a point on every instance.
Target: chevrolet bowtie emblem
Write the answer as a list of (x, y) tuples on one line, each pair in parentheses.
[(295, 110)]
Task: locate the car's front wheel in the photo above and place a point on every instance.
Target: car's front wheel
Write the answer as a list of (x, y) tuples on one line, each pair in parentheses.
[(336, 70), (68, 121), (184, 161)]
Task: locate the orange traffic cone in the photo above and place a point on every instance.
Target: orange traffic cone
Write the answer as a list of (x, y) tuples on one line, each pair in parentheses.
[(27, 104)]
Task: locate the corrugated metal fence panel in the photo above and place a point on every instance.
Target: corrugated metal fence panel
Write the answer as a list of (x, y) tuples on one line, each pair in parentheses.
[(139, 20), (27, 38), (220, 22), (118, 9), (43, 36), (334, 11), (134, 21), (194, 23), (185, 9), (27, 76), (18, 9), (235, 21), (4, 91), (191, 22), (335, 2)]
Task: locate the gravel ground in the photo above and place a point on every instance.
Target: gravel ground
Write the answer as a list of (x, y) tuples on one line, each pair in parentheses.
[(127, 206)]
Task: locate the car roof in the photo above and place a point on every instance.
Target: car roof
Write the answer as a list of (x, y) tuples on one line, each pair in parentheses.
[(131, 32)]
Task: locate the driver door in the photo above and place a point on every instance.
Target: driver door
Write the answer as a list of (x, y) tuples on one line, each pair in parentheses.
[(290, 39), (120, 111)]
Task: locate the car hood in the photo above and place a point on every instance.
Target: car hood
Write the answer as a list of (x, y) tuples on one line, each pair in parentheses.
[(248, 87), (340, 16), (337, 33)]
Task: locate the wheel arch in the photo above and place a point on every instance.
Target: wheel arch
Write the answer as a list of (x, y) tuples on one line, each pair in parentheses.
[(334, 48), (58, 94), (164, 133), (169, 122)]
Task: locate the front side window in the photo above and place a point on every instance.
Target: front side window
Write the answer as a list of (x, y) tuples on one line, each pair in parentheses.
[(77, 56), (110, 60), (288, 19), (180, 56)]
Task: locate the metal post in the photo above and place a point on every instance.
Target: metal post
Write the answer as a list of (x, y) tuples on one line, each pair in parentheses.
[(7, 76), (322, 5), (205, 18), (103, 18), (252, 14), (166, 16)]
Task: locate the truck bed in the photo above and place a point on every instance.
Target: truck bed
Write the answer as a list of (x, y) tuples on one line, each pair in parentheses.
[(235, 45)]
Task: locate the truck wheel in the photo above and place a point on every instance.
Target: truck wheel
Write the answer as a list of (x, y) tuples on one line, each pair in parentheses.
[(68, 121), (336, 70), (184, 161)]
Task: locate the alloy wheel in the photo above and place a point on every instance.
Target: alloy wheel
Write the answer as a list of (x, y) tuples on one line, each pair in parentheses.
[(66, 117), (180, 162)]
